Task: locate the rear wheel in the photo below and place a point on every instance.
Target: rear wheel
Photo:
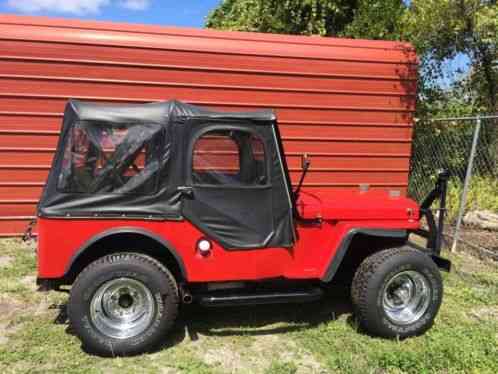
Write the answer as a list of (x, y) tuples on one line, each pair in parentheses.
[(397, 293), (123, 304)]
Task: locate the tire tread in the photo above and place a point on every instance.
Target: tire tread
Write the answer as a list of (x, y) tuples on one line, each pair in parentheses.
[(136, 257), (361, 286)]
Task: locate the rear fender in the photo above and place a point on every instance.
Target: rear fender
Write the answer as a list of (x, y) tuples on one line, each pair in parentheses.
[(138, 233)]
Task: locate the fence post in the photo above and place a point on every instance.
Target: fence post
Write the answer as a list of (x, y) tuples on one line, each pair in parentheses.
[(468, 177)]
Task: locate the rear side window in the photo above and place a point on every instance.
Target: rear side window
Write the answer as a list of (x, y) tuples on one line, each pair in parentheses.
[(229, 157), (102, 158)]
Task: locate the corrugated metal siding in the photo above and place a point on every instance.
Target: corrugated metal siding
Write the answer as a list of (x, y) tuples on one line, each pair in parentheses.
[(347, 103)]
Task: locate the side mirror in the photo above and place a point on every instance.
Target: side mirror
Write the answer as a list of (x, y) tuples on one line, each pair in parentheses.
[(305, 162)]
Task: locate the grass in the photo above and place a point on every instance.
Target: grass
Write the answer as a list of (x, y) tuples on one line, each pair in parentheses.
[(315, 338)]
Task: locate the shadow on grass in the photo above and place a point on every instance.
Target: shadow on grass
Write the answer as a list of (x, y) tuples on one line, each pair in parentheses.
[(265, 319), (244, 320)]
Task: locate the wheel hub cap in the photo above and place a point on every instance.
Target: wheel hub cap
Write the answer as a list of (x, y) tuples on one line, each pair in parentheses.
[(122, 308), (406, 297)]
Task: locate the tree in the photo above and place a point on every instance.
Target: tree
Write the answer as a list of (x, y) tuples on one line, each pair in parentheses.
[(373, 19), (442, 29), (307, 17), (379, 19)]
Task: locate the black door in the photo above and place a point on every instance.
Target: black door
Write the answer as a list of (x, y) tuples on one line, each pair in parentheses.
[(228, 174)]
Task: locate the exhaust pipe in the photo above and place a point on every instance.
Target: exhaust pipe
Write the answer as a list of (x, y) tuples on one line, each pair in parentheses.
[(186, 296)]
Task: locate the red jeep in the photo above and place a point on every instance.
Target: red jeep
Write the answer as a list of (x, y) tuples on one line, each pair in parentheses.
[(150, 206)]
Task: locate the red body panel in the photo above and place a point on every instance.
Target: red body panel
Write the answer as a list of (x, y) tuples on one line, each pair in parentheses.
[(347, 103), (60, 239), (355, 205)]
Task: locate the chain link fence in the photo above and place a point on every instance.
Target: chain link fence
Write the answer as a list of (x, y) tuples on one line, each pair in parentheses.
[(468, 148)]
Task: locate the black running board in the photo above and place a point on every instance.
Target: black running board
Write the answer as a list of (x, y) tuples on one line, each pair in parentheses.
[(259, 298)]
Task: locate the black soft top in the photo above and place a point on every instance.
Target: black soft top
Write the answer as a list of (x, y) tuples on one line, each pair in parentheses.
[(135, 161), (159, 112)]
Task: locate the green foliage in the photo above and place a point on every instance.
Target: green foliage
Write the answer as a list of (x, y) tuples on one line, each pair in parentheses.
[(482, 195), (487, 24), (443, 29), (306, 17), (376, 19), (459, 101), (379, 19)]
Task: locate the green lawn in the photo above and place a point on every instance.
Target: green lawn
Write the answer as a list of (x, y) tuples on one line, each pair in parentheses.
[(312, 338)]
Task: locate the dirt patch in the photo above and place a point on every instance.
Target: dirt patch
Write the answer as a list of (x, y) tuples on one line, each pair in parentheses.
[(228, 359), (481, 244), (256, 356), (168, 371), (304, 361), (254, 350), (3, 333), (225, 355), (472, 264), (29, 281), (5, 261), (486, 313), (483, 238), (274, 347), (8, 309), (7, 329)]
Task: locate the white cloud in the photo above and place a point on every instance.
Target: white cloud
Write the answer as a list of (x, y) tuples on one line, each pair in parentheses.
[(78, 7), (59, 6), (135, 4)]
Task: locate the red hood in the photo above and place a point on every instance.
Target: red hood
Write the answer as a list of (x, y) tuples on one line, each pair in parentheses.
[(356, 205)]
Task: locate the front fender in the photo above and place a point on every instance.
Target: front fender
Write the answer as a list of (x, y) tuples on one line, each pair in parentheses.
[(344, 246)]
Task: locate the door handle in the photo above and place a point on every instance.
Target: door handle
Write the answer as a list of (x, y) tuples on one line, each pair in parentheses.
[(186, 191)]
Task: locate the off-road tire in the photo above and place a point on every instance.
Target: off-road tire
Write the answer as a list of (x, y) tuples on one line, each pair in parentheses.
[(152, 274), (368, 286)]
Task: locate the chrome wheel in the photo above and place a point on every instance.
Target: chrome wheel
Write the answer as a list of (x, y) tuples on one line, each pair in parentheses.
[(406, 297), (122, 308)]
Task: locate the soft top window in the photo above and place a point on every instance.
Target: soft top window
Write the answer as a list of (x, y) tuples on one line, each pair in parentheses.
[(229, 157), (101, 157)]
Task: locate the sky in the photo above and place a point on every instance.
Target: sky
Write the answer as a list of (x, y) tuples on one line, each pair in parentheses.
[(189, 13), (454, 70)]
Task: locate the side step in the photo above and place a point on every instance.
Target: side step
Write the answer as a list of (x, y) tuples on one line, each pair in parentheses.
[(259, 297)]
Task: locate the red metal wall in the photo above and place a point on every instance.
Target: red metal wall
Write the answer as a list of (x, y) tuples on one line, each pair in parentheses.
[(347, 103)]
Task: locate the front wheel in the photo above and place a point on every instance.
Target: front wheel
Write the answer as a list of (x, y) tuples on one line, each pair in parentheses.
[(397, 293), (123, 304)]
